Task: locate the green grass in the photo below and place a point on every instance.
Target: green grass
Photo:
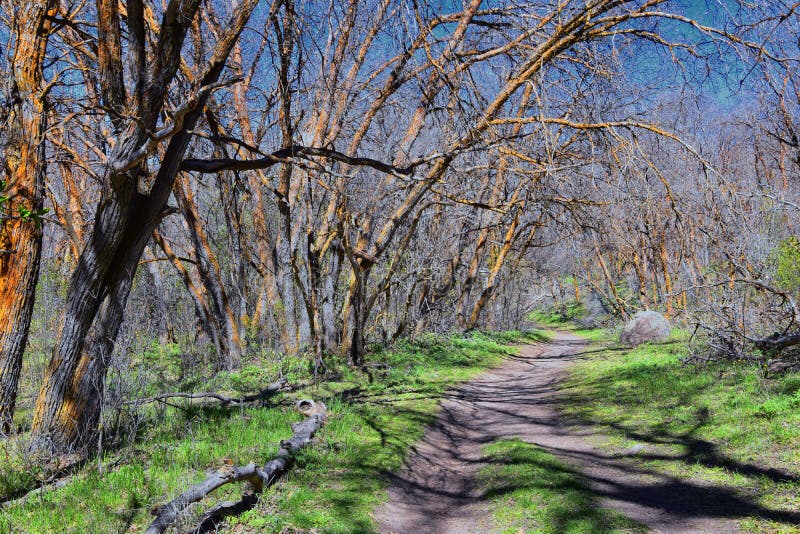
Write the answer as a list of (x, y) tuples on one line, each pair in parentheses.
[(334, 486), (592, 334), (725, 424), (559, 315), (531, 491)]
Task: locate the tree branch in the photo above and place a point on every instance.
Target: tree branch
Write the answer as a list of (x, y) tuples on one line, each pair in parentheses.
[(223, 399), (295, 151)]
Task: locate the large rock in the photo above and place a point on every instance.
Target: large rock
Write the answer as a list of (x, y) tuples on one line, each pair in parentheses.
[(644, 327)]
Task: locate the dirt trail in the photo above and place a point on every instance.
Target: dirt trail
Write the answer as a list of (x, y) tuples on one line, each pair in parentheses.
[(436, 491)]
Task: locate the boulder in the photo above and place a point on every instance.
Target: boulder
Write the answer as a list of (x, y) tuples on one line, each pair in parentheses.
[(646, 326)]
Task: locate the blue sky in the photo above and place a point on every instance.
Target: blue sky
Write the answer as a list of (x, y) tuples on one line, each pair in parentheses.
[(724, 76)]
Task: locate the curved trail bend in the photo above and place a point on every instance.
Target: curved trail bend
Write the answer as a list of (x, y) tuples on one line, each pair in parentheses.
[(436, 491)]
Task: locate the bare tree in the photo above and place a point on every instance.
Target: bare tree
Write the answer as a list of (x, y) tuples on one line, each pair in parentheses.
[(131, 205)]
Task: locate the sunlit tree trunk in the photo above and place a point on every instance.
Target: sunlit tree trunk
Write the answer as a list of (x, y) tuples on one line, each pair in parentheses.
[(619, 305), (22, 188), (508, 241)]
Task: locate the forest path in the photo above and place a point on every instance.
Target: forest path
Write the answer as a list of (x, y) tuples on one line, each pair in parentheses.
[(437, 490)]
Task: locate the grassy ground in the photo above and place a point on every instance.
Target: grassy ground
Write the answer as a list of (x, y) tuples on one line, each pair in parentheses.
[(560, 316), (335, 484), (532, 491), (724, 424)]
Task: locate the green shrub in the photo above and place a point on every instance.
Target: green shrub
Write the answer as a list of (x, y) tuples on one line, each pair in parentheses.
[(785, 259)]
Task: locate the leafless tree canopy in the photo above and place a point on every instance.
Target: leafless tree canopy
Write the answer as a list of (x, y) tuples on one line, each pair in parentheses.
[(312, 178)]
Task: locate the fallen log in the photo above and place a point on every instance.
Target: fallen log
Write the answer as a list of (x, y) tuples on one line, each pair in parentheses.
[(777, 367), (51, 486), (223, 400), (778, 342), (257, 477)]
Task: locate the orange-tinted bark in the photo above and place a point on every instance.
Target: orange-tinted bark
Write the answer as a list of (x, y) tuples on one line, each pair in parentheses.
[(23, 175), (664, 255)]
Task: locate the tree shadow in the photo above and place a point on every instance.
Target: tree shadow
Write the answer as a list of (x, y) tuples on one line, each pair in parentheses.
[(508, 399), (535, 483)]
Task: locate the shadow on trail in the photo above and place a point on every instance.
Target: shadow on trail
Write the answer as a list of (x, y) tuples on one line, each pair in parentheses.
[(705, 453), (441, 472)]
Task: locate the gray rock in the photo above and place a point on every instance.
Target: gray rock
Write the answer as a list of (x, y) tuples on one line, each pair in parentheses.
[(646, 326)]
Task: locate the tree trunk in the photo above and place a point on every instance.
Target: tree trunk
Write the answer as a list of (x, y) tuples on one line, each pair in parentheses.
[(68, 404), (23, 184), (486, 294), (64, 417), (285, 278), (286, 190), (357, 309), (211, 275), (328, 308)]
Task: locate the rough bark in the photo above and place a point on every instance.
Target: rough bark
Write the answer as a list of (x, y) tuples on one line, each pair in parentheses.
[(778, 342), (65, 416), (23, 184), (486, 294)]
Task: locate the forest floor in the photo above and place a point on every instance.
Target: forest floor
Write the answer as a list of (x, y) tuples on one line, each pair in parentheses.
[(519, 449), (499, 432)]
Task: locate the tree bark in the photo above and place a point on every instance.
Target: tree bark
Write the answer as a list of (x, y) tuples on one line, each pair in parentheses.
[(258, 477), (486, 294), (23, 185), (67, 407)]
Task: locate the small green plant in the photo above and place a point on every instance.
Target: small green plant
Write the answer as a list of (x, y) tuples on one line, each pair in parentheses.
[(23, 212), (27, 214), (786, 264)]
